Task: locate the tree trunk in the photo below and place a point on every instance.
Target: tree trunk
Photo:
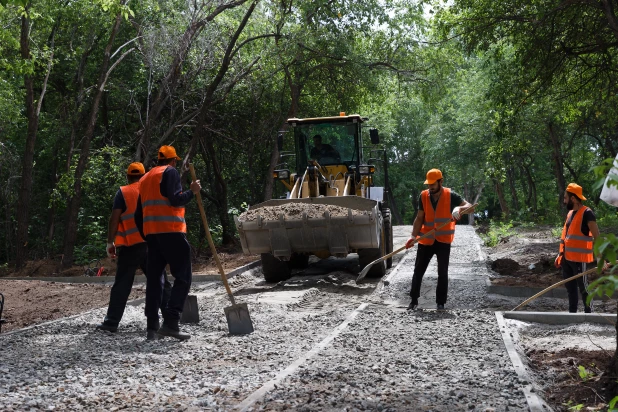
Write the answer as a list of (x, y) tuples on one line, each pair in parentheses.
[(295, 90), (221, 192), (25, 191), (558, 164), (503, 205), (70, 235), (510, 175)]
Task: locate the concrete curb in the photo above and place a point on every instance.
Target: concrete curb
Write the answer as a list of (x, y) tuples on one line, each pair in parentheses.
[(535, 402), (138, 278), (561, 318)]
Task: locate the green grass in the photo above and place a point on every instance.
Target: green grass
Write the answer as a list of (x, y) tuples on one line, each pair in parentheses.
[(498, 231)]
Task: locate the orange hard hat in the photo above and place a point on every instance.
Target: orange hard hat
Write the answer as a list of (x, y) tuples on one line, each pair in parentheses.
[(167, 152), (432, 176), (136, 169), (576, 190)]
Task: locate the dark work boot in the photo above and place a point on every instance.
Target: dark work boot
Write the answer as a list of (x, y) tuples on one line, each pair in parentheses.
[(413, 305), (440, 306), (151, 334), (170, 328), (152, 326), (107, 327)]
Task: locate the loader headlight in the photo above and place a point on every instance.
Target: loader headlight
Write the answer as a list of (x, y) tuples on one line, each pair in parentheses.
[(366, 170), (281, 174)]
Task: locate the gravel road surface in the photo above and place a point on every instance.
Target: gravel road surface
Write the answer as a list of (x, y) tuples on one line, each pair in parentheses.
[(321, 343)]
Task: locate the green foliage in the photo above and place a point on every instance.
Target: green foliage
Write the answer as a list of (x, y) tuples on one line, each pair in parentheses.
[(584, 374), (612, 404), (497, 232)]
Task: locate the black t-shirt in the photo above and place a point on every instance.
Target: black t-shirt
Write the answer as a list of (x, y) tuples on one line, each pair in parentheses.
[(456, 200), (119, 202), (588, 217)]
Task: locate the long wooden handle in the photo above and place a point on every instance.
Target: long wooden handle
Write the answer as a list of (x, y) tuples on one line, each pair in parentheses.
[(554, 286), (198, 196)]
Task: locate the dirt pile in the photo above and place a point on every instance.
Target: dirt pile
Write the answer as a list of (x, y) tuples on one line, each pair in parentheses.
[(31, 301), (297, 210)]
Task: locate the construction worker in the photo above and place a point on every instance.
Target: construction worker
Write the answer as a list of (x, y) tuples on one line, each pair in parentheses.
[(436, 206), (125, 243), (576, 245), (160, 215)]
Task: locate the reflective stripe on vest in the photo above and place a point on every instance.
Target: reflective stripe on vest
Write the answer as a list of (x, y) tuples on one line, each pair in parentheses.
[(436, 218), (576, 246), (159, 215), (128, 234)]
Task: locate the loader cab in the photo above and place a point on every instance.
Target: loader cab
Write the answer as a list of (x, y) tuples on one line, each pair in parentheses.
[(331, 141)]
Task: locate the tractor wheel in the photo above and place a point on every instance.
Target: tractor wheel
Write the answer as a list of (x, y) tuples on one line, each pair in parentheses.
[(366, 256), (298, 261), (388, 236), (274, 269)]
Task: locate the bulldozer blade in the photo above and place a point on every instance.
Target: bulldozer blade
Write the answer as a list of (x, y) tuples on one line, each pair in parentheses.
[(238, 319)]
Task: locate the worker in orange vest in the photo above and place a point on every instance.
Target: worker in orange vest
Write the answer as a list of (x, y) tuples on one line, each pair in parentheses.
[(436, 206), (160, 215), (576, 245), (125, 243)]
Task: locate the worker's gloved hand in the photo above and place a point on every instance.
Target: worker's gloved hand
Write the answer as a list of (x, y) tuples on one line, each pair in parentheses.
[(456, 213), (111, 250), (602, 262), (558, 261), (410, 242)]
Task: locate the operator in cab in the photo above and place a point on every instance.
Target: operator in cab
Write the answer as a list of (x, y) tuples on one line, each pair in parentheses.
[(321, 150)]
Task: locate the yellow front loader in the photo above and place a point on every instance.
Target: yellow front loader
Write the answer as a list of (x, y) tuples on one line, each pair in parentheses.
[(332, 207)]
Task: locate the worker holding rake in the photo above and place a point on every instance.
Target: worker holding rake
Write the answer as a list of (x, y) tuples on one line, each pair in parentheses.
[(125, 243), (576, 245), (437, 205)]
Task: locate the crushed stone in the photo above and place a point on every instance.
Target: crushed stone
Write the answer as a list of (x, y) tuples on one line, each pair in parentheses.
[(296, 211)]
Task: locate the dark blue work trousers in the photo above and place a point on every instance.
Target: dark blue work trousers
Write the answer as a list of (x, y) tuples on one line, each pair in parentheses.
[(570, 269), (424, 253), (130, 258), (167, 249)]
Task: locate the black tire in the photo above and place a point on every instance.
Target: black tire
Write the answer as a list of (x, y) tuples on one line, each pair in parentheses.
[(274, 269), (299, 261), (366, 256), (388, 236)]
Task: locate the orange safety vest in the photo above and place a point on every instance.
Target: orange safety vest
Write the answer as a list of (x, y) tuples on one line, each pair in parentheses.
[(434, 219), (159, 215), (128, 234), (576, 246)]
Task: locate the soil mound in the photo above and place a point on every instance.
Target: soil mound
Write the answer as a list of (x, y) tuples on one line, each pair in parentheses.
[(297, 210), (505, 266)]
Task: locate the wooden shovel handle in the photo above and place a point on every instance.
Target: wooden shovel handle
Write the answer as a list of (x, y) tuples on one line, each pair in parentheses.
[(198, 197), (555, 285)]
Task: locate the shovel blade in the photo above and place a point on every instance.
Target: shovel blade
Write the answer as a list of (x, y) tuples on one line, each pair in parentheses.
[(364, 272), (190, 313), (238, 319)]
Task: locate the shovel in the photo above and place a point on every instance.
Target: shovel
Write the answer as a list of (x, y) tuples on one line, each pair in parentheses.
[(364, 272), (238, 319)]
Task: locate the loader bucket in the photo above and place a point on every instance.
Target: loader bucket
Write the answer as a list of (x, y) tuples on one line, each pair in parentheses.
[(337, 225)]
